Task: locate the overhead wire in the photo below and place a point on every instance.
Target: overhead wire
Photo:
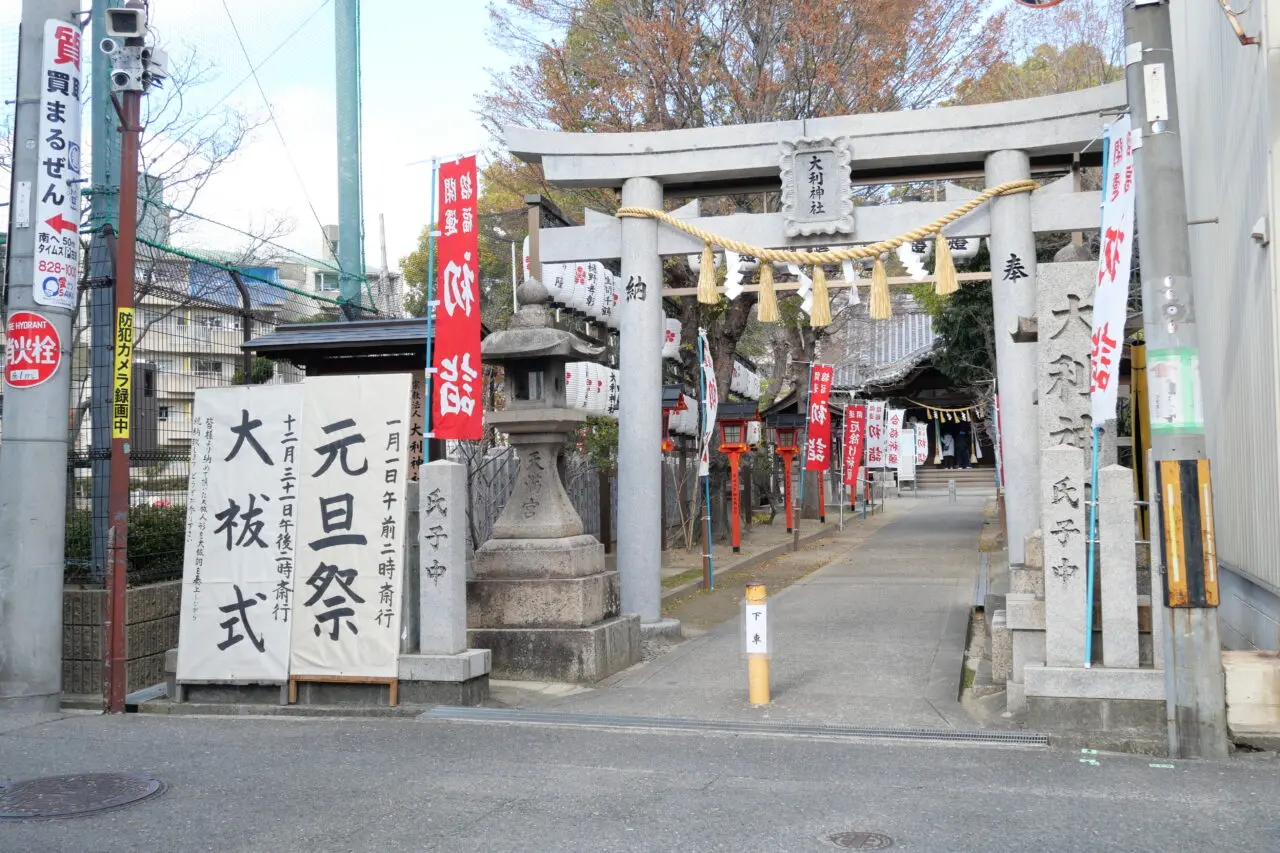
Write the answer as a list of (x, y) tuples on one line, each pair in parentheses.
[(272, 114)]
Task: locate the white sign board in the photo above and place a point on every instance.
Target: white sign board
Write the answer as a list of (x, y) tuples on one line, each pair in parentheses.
[(351, 518), (907, 457), (756, 629), (238, 573), (57, 189), (922, 443)]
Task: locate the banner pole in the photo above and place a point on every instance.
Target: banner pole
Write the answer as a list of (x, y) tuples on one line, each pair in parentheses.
[(432, 226), (708, 558), (1091, 557)]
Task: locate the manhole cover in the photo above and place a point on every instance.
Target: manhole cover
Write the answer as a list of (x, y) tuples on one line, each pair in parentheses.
[(862, 840), (74, 795)]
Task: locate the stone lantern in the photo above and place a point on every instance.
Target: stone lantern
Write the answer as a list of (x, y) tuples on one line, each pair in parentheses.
[(542, 601)]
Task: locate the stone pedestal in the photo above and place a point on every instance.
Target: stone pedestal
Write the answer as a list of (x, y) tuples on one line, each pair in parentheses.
[(1063, 499), (1118, 567)]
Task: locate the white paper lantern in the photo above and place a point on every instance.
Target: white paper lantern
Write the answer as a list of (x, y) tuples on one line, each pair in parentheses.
[(671, 338)]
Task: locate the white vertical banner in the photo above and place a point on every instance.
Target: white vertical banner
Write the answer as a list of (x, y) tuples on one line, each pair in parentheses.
[(1111, 298), (710, 404), (922, 442), (57, 188), (893, 437), (238, 568), (351, 518), (875, 434), (907, 454)]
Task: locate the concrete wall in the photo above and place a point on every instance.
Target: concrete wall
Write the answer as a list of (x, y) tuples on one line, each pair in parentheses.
[(151, 629), (1249, 615), (1228, 93)]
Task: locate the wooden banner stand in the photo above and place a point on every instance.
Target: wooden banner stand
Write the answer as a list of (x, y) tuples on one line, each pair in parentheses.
[(393, 684)]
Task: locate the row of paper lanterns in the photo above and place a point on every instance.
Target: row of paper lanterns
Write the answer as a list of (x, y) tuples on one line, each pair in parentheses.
[(588, 288), (591, 387)]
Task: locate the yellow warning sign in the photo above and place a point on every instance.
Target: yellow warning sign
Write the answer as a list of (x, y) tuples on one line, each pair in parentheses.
[(122, 385)]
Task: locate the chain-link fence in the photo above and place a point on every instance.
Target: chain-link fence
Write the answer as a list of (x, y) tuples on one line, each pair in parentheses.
[(193, 315)]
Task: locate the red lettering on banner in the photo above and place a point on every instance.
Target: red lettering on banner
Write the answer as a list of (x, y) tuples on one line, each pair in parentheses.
[(68, 46), (855, 423), (817, 455), (456, 408), (1111, 254), (1100, 358)]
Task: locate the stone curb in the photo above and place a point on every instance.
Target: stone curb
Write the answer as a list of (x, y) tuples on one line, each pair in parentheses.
[(748, 563)]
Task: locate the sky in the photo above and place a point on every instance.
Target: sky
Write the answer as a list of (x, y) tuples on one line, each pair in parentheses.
[(423, 64)]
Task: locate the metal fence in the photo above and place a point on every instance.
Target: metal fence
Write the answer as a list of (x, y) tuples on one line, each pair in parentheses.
[(193, 313)]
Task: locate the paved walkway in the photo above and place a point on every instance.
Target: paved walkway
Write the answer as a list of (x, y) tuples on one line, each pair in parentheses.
[(876, 638)]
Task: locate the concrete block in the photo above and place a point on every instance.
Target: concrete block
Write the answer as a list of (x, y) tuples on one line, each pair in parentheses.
[(1034, 551), (562, 654), (1070, 682), (457, 693), (556, 603), (1125, 725), (1025, 580), (531, 559), (1253, 688), (1118, 567), (1028, 650), (1024, 612), (472, 663), (1015, 697), (1001, 648)]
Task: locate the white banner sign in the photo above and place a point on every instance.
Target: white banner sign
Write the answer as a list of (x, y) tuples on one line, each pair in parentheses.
[(922, 442), (875, 434), (893, 437), (238, 569), (1110, 300), (351, 515), (907, 455), (57, 188), (710, 404)]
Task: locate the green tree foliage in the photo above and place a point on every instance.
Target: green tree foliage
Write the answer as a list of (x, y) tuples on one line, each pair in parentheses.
[(262, 371), (965, 325)]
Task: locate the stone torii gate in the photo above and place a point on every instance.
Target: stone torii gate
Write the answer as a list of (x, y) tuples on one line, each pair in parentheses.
[(1000, 143)]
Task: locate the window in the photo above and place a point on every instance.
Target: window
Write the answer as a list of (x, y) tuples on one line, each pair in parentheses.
[(206, 367), (211, 322), (326, 281), (162, 413)]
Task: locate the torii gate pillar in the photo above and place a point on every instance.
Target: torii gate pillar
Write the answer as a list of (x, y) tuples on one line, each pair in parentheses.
[(639, 428), (1013, 291)]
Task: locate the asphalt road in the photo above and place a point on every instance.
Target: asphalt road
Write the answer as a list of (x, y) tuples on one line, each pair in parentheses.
[(241, 784)]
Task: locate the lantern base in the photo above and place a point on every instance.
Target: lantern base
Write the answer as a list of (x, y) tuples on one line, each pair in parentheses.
[(562, 654)]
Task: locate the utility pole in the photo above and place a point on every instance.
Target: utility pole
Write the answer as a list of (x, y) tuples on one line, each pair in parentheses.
[(44, 222), (104, 200), (350, 219), (1194, 680)]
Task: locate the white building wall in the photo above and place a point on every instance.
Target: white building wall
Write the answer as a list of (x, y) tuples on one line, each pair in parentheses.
[(1229, 146)]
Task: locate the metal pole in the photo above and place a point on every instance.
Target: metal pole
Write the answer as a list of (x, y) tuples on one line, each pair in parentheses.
[(104, 199), (350, 218), (118, 500), (33, 456), (708, 563), (1197, 704), (435, 447), (515, 282)]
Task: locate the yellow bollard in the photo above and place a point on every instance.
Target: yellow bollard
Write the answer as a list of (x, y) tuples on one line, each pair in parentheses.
[(756, 627)]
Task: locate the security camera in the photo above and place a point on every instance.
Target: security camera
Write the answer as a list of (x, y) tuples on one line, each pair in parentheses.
[(108, 46), (130, 22), (123, 81), (156, 61)]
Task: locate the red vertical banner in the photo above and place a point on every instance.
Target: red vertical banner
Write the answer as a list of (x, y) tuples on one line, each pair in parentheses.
[(855, 428), (456, 406), (817, 449)]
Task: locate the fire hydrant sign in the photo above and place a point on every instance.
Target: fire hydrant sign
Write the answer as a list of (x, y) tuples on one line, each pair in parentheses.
[(57, 188), (32, 350)]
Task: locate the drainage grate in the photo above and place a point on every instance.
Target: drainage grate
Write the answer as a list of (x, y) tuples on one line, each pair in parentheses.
[(72, 796), (861, 840), (560, 718)]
